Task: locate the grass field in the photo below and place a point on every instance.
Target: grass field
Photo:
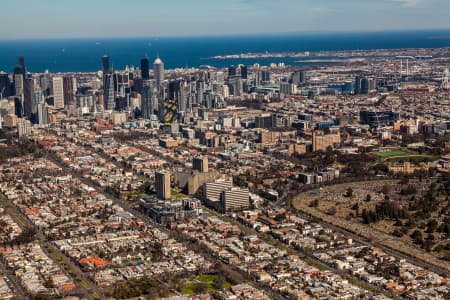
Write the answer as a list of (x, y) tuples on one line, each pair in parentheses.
[(393, 154), (177, 195), (209, 279)]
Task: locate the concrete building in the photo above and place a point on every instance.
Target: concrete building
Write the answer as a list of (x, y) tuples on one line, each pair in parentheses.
[(213, 190), (322, 141), (10, 121), (201, 164), (234, 199), (58, 92), (23, 127), (162, 185)]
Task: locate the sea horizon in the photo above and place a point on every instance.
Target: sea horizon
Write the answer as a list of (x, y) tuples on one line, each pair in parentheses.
[(84, 54)]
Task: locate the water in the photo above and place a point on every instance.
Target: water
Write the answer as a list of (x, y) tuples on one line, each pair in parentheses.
[(84, 55)]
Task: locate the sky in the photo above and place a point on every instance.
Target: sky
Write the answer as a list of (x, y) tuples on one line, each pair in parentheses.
[(156, 18)]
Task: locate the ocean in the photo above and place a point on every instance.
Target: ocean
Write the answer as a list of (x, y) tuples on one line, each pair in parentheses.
[(84, 55)]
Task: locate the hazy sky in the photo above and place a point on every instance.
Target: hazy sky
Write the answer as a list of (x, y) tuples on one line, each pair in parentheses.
[(114, 18)]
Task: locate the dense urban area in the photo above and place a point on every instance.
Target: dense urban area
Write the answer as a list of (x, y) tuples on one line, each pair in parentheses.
[(326, 181)]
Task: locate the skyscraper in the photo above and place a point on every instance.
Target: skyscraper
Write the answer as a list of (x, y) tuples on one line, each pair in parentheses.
[(158, 70), (69, 91), (18, 85), (19, 77), (145, 69), (244, 72), (105, 64), (108, 92), (231, 71), (58, 92), (162, 185), (5, 85), (146, 100), (42, 113), (29, 103)]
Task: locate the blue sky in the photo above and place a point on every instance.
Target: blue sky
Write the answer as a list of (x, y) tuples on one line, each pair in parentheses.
[(115, 18)]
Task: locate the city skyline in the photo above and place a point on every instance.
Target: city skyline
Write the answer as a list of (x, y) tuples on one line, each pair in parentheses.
[(81, 19)]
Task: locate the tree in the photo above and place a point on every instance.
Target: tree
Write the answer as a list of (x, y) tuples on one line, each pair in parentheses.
[(332, 211), (349, 192), (432, 226), (314, 203), (397, 233), (417, 236), (220, 282)]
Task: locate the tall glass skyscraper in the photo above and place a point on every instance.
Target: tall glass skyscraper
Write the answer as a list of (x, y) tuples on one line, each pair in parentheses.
[(158, 70), (108, 92)]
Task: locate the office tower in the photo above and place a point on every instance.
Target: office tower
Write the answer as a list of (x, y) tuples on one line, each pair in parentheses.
[(108, 92), (146, 100), (162, 185), (18, 85), (174, 89), (265, 75), (201, 164), (22, 61), (105, 64), (58, 92), (20, 68), (5, 85), (244, 72), (235, 86), (287, 88), (232, 71), (42, 113), (29, 103), (299, 77), (235, 199), (23, 127), (177, 91), (158, 71), (69, 91), (145, 69), (213, 190), (265, 120), (378, 118), (45, 82)]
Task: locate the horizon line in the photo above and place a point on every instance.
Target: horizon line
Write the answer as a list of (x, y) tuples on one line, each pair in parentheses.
[(309, 32)]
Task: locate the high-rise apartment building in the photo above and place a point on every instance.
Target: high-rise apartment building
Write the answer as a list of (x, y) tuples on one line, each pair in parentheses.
[(158, 71), (234, 199), (58, 92), (322, 141), (162, 185), (213, 190)]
